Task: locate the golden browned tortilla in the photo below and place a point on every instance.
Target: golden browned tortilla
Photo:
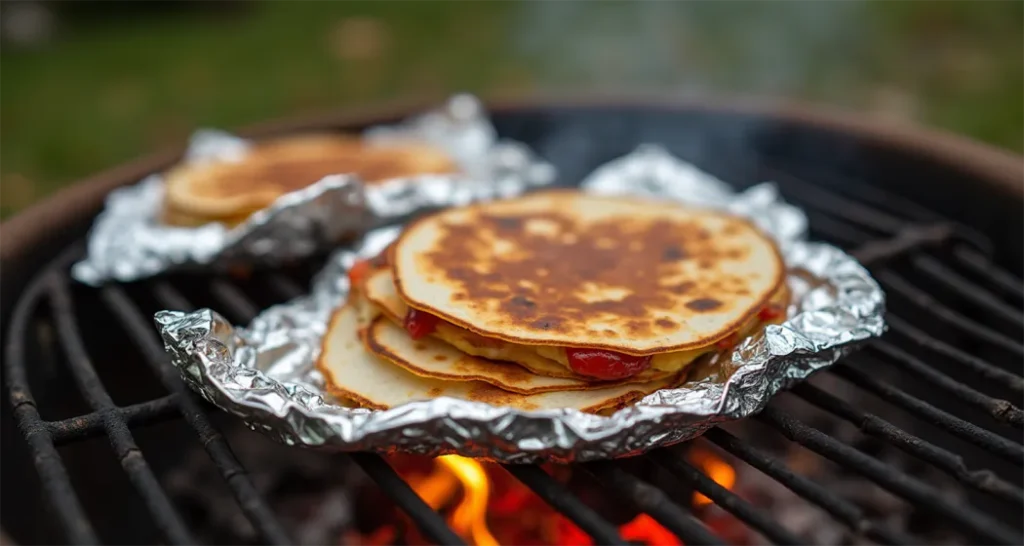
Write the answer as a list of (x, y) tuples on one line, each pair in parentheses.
[(568, 269), (353, 373), (381, 298), (228, 190)]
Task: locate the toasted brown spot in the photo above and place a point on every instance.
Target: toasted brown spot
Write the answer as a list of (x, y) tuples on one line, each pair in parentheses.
[(440, 358), (704, 304), (602, 255), (508, 223), (558, 272), (434, 392), (672, 253), (665, 323), (609, 333), (547, 323), (636, 326), (419, 346), (681, 288), (525, 302)]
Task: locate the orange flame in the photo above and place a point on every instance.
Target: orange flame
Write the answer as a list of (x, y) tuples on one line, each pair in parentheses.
[(476, 499), (470, 516), (716, 468)]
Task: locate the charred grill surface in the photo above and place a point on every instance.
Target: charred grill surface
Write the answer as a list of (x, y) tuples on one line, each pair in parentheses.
[(944, 386)]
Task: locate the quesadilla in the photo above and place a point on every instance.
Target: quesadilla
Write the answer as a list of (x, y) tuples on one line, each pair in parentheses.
[(230, 191), (353, 373), (384, 303), (599, 288)]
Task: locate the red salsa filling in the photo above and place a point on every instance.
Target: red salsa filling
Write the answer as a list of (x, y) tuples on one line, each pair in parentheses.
[(603, 364), (596, 363), (358, 273), (419, 323), (770, 312), (729, 342)]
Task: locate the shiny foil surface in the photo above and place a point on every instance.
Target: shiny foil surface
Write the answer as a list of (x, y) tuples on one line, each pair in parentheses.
[(265, 374), (128, 242)]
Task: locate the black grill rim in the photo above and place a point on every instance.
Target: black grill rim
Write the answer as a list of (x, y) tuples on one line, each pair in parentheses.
[(901, 239)]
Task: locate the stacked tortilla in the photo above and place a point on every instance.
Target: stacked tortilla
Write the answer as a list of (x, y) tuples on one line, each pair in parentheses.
[(230, 191), (558, 299)]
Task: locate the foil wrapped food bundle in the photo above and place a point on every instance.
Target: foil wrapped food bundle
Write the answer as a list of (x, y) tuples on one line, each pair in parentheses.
[(265, 372), (129, 241)]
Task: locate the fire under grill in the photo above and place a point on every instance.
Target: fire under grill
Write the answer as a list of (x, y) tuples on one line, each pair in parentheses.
[(916, 438)]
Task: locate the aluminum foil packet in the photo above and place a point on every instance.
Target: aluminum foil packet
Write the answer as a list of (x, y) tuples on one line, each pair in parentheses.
[(265, 374), (128, 242)]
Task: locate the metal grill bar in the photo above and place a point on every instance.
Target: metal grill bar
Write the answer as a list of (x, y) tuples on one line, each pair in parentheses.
[(977, 366), (52, 473), (90, 385), (879, 210), (91, 424), (284, 286), (654, 502), (837, 230), (831, 214), (565, 502), (968, 290), (897, 283), (1001, 410), (982, 480), (825, 201), (840, 508), (234, 300), (169, 296), (846, 189), (965, 518), (851, 188), (249, 499), (851, 371), (981, 266), (674, 461), (425, 517), (873, 252)]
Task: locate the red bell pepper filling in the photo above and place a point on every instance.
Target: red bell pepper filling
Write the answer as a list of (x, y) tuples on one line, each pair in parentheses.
[(359, 271), (419, 323), (597, 363), (602, 364), (770, 312), (729, 342)]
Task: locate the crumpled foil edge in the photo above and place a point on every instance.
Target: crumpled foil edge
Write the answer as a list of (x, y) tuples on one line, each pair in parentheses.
[(264, 373), (128, 242)]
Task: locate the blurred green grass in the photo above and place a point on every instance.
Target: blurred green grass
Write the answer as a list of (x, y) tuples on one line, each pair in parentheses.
[(121, 86)]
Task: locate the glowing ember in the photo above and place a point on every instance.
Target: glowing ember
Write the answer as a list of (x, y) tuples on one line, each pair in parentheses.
[(715, 467), (643, 528)]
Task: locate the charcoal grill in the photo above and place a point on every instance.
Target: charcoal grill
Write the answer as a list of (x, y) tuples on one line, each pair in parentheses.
[(102, 414)]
